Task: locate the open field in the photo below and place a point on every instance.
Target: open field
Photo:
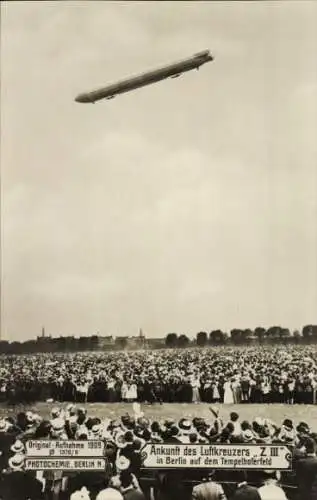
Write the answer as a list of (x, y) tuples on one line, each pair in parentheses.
[(276, 412)]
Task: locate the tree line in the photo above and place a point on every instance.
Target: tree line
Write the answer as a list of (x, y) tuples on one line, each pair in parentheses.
[(259, 335)]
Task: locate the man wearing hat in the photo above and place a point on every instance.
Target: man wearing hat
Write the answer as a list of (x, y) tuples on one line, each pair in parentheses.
[(18, 447), (124, 478), (248, 436), (306, 472), (81, 416), (303, 429), (58, 429), (18, 484), (287, 432), (130, 452), (95, 432), (16, 462), (6, 441), (234, 418), (30, 425), (55, 412), (70, 410), (127, 422), (185, 428), (172, 435)]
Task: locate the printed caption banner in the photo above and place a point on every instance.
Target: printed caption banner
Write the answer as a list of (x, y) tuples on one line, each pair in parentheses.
[(217, 456), (65, 455)]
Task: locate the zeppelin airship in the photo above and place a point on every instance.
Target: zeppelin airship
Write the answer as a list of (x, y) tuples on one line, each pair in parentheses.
[(170, 71)]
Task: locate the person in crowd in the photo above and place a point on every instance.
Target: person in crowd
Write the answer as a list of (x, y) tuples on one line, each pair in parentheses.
[(195, 384), (132, 394), (236, 390), (129, 486), (271, 488), (234, 419), (306, 471), (208, 490), (245, 387), (17, 484), (245, 491), (228, 392)]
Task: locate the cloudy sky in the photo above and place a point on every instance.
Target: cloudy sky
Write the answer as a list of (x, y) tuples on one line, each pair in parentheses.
[(184, 206)]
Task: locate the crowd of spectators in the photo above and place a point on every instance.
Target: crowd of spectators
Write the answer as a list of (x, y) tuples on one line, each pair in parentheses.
[(124, 477), (266, 374)]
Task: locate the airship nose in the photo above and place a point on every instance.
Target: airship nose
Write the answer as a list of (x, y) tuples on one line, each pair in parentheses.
[(81, 98)]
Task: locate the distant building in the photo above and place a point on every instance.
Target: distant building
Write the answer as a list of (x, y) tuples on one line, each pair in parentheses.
[(105, 343), (131, 343), (43, 335), (43, 339)]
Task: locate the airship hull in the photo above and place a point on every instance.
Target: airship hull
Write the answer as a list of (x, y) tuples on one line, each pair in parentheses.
[(148, 78)]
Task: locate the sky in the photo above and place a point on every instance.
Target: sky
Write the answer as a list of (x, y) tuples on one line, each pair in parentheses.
[(187, 205)]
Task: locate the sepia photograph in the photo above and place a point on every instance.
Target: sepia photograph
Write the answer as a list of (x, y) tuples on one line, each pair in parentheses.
[(158, 250)]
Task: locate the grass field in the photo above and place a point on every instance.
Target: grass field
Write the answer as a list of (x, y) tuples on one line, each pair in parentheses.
[(276, 412)]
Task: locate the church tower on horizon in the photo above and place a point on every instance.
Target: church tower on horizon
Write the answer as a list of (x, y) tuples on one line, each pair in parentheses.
[(142, 338)]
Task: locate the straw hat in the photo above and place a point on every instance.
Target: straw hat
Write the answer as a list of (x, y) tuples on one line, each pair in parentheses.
[(122, 463), (247, 435), (29, 416), (57, 424), (185, 426), (96, 429), (16, 462), (17, 447), (55, 412), (71, 408)]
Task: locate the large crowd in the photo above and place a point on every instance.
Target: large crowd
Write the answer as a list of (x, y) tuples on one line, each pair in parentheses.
[(124, 477), (285, 374)]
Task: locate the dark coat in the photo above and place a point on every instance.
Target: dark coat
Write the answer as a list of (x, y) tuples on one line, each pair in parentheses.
[(6, 441), (18, 485), (306, 475)]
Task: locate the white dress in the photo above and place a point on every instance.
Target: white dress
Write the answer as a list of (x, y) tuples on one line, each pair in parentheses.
[(215, 392), (124, 391), (132, 392), (228, 395), (195, 386)]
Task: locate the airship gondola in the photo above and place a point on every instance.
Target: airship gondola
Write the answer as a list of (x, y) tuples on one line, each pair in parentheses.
[(170, 71)]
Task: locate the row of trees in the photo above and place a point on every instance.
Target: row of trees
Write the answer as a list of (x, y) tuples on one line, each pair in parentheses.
[(274, 334)]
